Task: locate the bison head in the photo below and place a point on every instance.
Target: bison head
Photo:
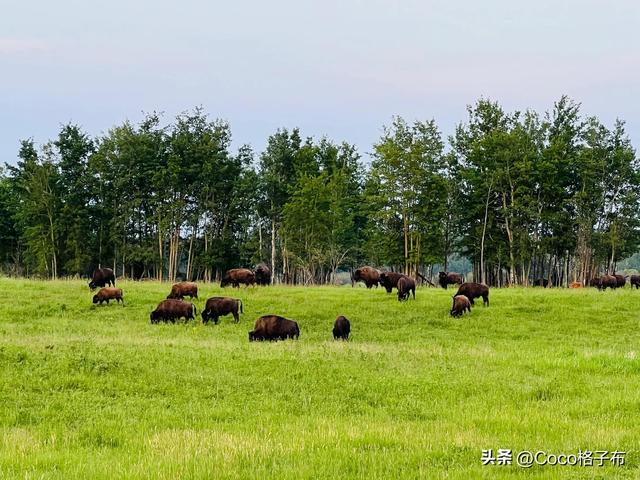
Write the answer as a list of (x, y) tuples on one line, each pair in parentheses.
[(154, 317), (95, 299), (224, 282), (92, 285), (252, 336)]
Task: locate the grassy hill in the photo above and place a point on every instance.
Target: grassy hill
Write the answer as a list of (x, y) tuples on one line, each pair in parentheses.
[(98, 392)]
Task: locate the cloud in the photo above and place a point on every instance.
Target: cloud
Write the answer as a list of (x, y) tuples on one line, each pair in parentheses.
[(18, 46)]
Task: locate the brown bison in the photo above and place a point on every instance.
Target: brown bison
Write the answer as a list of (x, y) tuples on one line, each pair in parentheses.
[(369, 275), (108, 293), (389, 280), (219, 307), (473, 290), (594, 282), (449, 278), (607, 281), (101, 278), (406, 285), (236, 276), (184, 289), (635, 281), (274, 327), (460, 304), (341, 328), (541, 282), (621, 281), (171, 310), (262, 275)]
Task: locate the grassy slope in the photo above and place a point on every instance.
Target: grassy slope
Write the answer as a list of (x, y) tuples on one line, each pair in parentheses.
[(101, 393)]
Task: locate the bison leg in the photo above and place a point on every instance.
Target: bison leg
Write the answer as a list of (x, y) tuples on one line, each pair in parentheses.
[(485, 299), (236, 317), (471, 301), (216, 319)]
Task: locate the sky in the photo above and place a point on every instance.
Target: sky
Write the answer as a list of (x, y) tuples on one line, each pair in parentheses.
[(340, 68)]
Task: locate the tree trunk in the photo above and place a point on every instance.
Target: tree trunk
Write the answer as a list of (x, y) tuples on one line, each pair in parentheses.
[(273, 251), (484, 232)]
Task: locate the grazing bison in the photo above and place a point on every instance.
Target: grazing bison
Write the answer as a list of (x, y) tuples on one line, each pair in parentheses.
[(236, 276), (406, 285), (473, 290), (460, 304), (262, 275), (389, 280), (219, 307), (449, 278), (341, 328), (101, 278), (635, 281), (621, 281), (607, 281), (171, 310), (184, 289), (108, 293), (541, 282), (595, 282), (274, 327), (369, 275)]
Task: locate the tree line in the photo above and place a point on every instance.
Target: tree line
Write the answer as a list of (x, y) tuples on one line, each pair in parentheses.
[(521, 195)]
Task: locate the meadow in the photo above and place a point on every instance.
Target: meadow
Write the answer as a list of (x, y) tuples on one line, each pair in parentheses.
[(99, 392)]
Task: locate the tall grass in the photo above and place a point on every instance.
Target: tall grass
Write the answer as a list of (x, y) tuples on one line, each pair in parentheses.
[(99, 392)]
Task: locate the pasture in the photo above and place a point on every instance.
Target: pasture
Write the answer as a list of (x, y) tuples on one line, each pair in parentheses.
[(99, 392)]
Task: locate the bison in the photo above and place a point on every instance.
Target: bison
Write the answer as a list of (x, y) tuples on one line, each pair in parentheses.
[(274, 327), (460, 304), (607, 281), (449, 278), (621, 281), (473, 290), (236, 276), (595, 282), (171, 310), (635, 281), (108, 293), (541, 282), (101, 278), (341, 328), (220, 306), (406, 285), (262, 275), (389, 280), (369, 275), (183, 289)]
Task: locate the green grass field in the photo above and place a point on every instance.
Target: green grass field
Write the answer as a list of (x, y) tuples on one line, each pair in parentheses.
[(99, 392)]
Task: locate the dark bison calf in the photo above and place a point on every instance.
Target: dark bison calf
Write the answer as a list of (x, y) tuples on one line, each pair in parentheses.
[(389, 280), (369, 275), (541, 282), (460, 304), (274, 327), (101, 278), (473, 290), (449, 278), (184, 289), (635, 281), (108, 293), (341, 328), (406, 285), (172, 310), (263, 275), (219, 307), (236, 276)]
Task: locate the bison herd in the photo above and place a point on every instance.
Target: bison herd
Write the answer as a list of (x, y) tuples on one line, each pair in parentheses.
[(275, 327)]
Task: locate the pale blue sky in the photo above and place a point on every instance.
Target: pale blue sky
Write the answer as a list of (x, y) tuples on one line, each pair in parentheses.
[(339, 68)]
